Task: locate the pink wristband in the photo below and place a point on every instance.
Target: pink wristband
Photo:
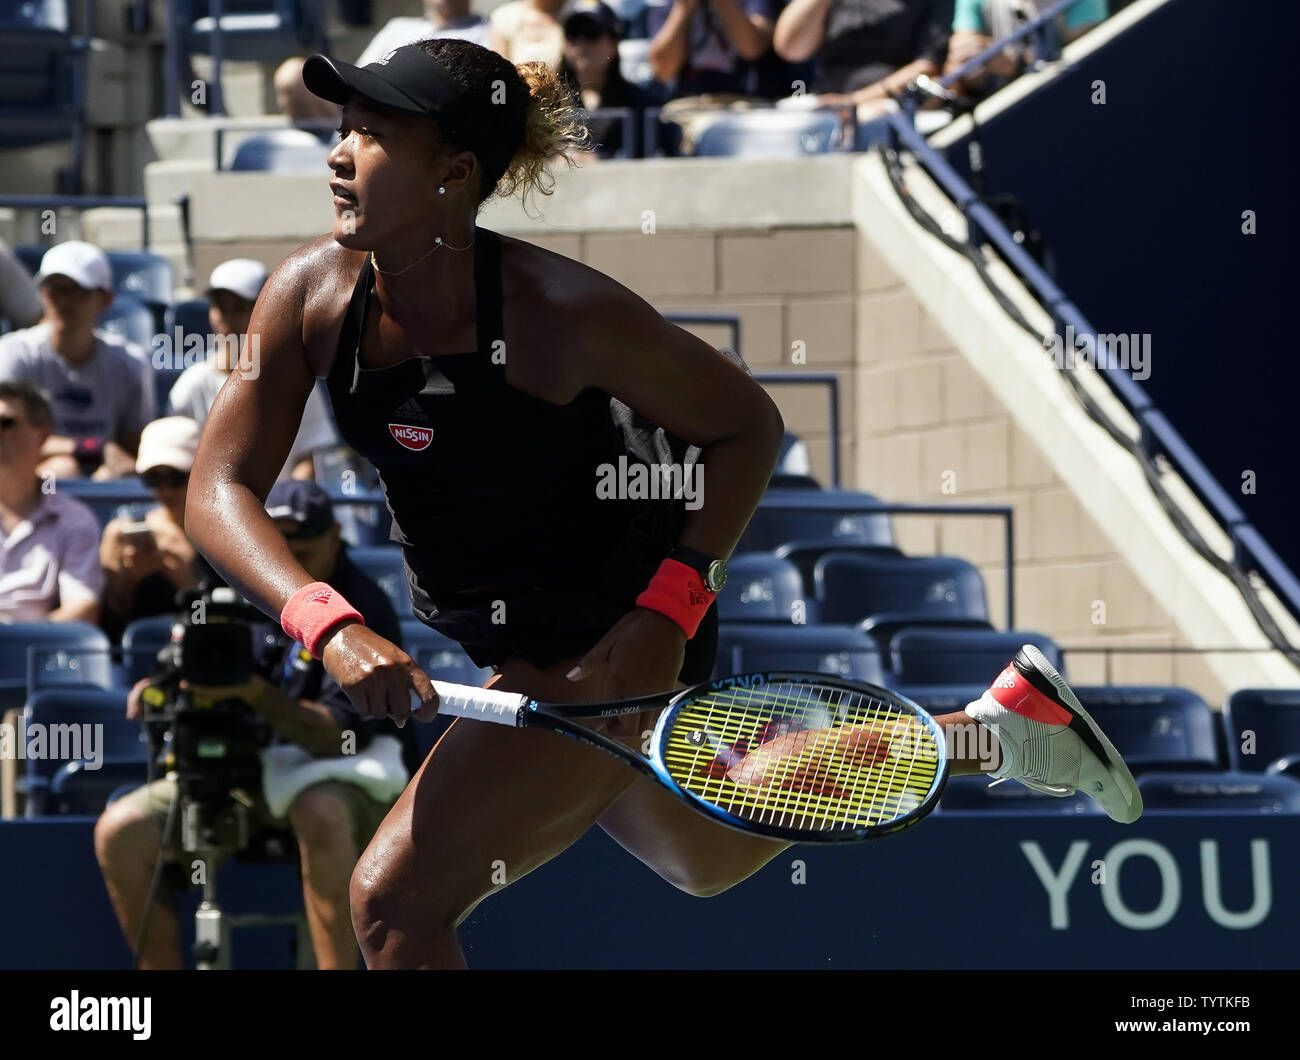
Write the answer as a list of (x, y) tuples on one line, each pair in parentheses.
[(676, 591), (312, 612)]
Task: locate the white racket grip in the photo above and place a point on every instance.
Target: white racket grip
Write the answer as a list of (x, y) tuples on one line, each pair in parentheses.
[(466, 701)]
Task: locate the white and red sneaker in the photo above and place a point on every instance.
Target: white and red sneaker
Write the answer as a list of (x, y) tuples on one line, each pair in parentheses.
[(1049, 743)]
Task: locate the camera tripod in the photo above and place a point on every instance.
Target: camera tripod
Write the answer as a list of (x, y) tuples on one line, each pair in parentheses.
[(212, 925)]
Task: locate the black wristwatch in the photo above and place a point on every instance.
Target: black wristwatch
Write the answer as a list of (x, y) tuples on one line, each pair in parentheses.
[(713, 571)]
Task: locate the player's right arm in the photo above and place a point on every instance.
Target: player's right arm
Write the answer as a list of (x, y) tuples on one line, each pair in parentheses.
[(245, 442)]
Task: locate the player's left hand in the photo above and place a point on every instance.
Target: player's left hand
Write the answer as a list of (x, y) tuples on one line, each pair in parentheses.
[(642, 654)]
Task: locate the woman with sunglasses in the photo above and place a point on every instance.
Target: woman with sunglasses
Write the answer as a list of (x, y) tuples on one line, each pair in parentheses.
[(147, 562)]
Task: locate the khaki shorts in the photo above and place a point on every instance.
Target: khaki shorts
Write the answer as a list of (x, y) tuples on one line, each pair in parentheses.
[(155, 800)]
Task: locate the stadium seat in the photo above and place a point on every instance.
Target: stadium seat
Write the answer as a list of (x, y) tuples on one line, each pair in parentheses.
[(1155, 728), (961, 656), (973, 794), (191, 316), (257, 30), (762, 588), (92, 715), (788, 515), (768, 133), (41, 654), (281, 151), (939, 699), (805, 554), (142, 640), (77, 789), (145, 276), (886, 593), (1273, 716), (124, 496), (384, 564), (1231, 792), (130, 320), (42, 80), (841, 650)]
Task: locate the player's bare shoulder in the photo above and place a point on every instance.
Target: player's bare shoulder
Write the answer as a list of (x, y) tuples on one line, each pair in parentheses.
[(321, 276), (572, 307)]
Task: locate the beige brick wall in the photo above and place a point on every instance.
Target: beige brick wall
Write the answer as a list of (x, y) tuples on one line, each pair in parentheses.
[(917, 423), (929, 430)]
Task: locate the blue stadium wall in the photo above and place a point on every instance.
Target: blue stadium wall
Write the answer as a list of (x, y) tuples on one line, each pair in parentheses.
[(1141, 203), (956, 891)]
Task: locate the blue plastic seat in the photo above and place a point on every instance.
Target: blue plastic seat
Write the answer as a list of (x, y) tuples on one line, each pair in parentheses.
[(961, 656), (886, 593), (131, 320), (805, 555), (941, 698), (1269, 717), (91, 724), (772, 134), (42, 81), (256, 30), (384, 564), (1231, 792), (1155, 727), (142, 275), (281, 151), (841, 650), (762, 588), (42, 654), (125, 496), (191, 316), (788, 515), (973, 794), (78, 789), (142, 640)]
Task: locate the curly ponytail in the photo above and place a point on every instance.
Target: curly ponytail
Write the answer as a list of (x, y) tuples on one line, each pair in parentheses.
[(535, 118), (551, 127)]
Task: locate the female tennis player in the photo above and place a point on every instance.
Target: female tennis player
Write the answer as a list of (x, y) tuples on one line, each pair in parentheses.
[(475, 371)]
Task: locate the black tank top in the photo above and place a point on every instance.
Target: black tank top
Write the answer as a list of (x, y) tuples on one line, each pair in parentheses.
[(492, 490)]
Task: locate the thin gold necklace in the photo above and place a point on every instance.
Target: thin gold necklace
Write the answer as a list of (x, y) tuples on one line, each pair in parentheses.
[(438, 244)]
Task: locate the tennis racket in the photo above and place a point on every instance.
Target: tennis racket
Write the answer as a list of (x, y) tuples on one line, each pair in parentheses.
[(800, 756)]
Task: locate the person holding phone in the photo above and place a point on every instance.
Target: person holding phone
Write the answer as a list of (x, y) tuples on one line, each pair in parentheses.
[(146, 562)]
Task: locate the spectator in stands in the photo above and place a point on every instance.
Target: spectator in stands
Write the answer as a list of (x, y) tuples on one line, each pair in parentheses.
[(708, 47), (331, 775), (590, 69), (101, 389), (296, 103), (147, 562), (528, 31), (20, 301), (49, 542), (232, 291), (868, 50), (442, 18), (978, 23)]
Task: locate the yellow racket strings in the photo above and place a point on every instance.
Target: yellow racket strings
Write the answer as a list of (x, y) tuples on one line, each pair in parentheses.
[(802, 756)]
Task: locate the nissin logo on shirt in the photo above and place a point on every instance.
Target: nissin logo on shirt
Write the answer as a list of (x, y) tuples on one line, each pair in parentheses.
[(413, 438)]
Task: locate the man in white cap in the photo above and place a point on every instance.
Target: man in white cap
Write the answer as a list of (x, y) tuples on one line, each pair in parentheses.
[(101, 391), (49, 541), (232, 291), (147, 562)]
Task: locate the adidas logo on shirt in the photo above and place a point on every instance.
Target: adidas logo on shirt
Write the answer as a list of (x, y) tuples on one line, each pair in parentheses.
[(410, 410)]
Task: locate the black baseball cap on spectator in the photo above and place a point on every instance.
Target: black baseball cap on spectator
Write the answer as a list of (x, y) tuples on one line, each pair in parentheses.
[(591, 14), (304, 502)]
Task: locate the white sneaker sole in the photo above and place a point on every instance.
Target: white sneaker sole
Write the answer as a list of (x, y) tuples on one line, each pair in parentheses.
[(1103, 776)]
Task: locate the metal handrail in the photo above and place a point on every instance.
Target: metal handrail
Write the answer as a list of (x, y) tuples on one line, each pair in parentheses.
[(1156, 430), (832, 383), (1042, 25)]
